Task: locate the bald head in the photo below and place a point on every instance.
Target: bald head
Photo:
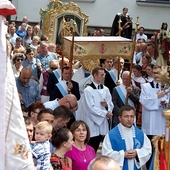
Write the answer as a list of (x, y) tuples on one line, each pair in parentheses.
[(25, 75), (70, 101), (103, 163), (63, 63), (125, 78)]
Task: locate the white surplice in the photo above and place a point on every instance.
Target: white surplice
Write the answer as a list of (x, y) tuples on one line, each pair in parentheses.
[(153, 122), (127, 133), (93, 112)]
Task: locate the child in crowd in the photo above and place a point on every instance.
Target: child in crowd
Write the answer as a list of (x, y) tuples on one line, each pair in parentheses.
[(41, 148)]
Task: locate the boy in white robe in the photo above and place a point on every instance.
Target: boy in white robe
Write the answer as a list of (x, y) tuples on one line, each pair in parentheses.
[(95, 107), (154, 100)]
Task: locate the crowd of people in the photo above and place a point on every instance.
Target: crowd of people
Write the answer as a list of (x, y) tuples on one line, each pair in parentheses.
[(69, 112)]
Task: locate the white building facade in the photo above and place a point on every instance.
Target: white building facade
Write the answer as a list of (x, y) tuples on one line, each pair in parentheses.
[(102, 12)]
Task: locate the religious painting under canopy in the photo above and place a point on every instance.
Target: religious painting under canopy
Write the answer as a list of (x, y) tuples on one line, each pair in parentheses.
[(56, 20), (98, 47)]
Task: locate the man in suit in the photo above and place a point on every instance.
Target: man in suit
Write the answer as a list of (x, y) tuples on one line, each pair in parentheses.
[(119, 96), (112, 79), (65, 86), (55, 75)]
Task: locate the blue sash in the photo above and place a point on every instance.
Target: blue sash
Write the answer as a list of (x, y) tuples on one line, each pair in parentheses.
[(62, 90), (118, 143), (57, 75), (112, 76), (122, 96)]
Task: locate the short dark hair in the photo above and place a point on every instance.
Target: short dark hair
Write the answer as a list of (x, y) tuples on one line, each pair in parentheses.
[(142, 28), (59, 136), (150, 65), (65, 68), (62, 112), (76, 124), (125, 108), (42, 112), (137, 67), (96, 70)]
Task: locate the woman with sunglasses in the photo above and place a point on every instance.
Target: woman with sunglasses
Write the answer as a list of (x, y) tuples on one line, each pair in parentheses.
[(17, 63), (30, 61)]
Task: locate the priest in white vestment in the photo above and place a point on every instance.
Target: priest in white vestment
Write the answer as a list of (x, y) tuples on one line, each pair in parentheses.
[(127, 144)]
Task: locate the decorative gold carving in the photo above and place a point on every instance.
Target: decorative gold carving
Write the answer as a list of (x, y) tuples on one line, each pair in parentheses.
[(52, 18), (90, 63)]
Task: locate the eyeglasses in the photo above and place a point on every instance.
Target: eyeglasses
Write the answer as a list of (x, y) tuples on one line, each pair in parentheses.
[(71, 107), (19, 59)]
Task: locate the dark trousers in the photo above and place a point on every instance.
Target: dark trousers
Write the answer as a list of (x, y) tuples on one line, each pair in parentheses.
[(95, 142)]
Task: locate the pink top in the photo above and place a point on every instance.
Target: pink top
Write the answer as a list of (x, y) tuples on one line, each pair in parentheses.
[(81, 159)]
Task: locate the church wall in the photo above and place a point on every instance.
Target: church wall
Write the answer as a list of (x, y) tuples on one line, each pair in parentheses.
[(101, 12)]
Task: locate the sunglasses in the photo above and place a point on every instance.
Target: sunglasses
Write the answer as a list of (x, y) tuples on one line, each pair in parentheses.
[(72, 107), (19, 59)]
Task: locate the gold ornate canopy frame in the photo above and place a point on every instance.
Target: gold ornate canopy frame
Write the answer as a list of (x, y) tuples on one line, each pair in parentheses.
[(52, 18)]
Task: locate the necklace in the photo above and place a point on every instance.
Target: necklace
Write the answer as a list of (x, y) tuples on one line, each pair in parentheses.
[(84, 157)]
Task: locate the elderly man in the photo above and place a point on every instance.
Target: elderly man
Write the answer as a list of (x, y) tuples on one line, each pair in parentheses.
[(103, 163), (28, 88), (119, 96), (95, 107), (44, 57), (127, 144), (70, 101)]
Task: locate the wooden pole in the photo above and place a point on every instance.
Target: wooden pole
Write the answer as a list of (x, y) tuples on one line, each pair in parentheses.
[(132, 54), (118, 70), (166, 113), (72, 27), (63, 31)]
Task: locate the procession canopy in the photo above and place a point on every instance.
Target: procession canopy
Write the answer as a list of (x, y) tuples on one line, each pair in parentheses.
[(95, 48), (55, 20)]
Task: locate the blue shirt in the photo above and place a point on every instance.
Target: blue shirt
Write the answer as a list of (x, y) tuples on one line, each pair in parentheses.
[(41, 153), (32, 65), (44, 60), (30, 92)]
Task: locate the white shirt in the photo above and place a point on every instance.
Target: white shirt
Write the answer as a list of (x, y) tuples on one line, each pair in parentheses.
[(143, 36)]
